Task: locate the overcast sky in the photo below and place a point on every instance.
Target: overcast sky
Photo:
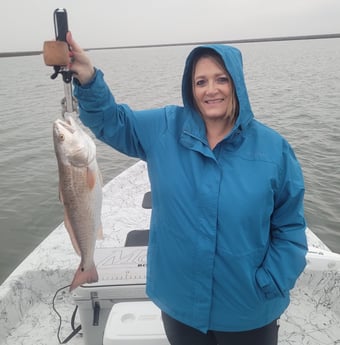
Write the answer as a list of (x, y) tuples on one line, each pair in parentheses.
[(25, 24)]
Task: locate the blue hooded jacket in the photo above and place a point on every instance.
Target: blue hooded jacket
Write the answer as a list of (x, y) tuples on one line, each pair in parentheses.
[(227, 239)]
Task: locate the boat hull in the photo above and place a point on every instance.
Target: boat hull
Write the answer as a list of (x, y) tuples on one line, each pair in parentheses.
[(27, 317)]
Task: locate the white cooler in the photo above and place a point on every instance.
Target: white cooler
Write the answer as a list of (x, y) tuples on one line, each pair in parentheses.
[(122, 277), (135, 323)]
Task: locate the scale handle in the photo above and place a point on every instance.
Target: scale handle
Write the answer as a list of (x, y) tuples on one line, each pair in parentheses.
[(60, 24), (61, 29)]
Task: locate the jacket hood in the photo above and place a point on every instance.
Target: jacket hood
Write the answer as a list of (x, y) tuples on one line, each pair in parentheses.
[(233, 63)]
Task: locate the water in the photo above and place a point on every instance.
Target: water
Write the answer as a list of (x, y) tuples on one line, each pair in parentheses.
[(294, 87)]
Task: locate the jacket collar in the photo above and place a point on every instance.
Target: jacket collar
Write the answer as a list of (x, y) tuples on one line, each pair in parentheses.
[(193, 135)]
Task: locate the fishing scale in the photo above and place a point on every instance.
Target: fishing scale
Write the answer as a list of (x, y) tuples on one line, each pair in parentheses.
[(57, 54)]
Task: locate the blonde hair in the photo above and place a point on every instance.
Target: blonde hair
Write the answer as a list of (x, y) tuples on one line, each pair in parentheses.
[(233, 106)]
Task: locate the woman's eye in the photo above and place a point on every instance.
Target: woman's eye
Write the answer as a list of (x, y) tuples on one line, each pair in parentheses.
[(200, 82), (223, 80)]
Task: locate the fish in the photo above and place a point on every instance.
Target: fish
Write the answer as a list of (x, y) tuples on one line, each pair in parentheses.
[(80, 192)]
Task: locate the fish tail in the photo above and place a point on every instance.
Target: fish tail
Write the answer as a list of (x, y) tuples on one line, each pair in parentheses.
[(84, 276)]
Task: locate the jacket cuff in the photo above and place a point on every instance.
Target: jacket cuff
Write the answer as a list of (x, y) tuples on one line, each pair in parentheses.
[(91, 92)]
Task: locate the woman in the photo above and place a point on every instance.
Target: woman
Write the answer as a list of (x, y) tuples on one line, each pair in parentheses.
[(227, 234)]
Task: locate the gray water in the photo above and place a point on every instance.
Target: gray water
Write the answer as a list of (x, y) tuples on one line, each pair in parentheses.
[(294, 87)]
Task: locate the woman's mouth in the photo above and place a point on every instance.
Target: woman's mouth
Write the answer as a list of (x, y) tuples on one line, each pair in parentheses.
[(214, 101)]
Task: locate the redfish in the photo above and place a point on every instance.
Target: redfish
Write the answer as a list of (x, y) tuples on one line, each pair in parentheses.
[(80, 191)]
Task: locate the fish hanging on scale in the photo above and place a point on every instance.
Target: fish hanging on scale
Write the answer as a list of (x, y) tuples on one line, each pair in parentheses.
[(80, 191)]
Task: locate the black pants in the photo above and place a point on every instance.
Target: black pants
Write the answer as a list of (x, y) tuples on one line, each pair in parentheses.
[(181, 334)]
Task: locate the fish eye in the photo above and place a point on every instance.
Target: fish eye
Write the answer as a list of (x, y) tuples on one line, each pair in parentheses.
[(61, 137)]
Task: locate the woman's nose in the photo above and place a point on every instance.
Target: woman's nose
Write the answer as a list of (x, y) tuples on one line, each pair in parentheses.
[(211, 87)]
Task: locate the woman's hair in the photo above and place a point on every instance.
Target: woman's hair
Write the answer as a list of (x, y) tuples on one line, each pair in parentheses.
[(233, 107)]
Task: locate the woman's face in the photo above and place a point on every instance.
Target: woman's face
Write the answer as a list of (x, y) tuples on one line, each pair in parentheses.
[(212, 89)]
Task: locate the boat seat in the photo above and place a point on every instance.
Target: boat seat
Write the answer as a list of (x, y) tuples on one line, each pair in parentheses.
[(136, 238), (147, 201)]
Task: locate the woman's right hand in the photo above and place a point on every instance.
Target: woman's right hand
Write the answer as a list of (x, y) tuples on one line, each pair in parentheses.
[(80, 63)]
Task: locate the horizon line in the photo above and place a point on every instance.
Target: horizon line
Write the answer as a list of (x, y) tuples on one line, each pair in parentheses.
[(237, 41)]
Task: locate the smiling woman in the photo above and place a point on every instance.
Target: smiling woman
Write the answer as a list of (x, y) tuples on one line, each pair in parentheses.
[(222, 208), (214, 96)]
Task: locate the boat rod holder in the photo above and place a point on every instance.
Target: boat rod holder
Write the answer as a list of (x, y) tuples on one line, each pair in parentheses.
[(56, 54)]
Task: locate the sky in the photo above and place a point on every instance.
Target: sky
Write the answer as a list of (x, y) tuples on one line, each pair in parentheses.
[(26, 24)]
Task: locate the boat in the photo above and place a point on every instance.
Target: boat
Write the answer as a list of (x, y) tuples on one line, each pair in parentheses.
[(116, 310)]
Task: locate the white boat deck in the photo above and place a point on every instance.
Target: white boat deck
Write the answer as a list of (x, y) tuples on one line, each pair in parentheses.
[(27, 317)]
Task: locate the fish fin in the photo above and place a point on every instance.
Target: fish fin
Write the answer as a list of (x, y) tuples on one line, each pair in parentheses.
[(100, 234), (71, 233), (84, 276), (91, 178)]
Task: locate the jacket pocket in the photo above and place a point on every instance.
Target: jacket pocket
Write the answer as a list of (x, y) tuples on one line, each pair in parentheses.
[(235, 280), (266, 284)]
